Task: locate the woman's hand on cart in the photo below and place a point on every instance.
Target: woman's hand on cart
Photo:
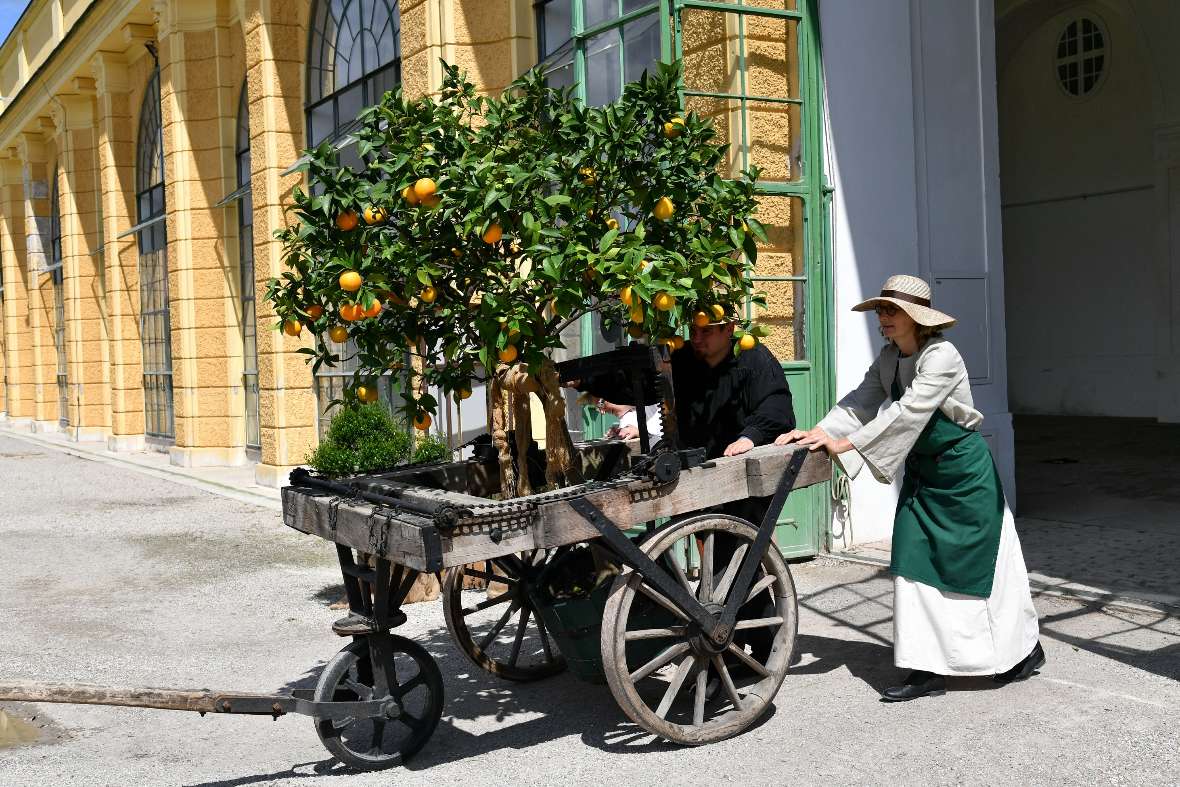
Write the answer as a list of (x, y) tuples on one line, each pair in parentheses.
[(815, 439)]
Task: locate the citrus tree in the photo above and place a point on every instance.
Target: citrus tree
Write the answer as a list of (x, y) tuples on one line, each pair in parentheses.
[(478, 228)]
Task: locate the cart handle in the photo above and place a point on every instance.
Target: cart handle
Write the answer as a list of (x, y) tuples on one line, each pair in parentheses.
[(716, 628)]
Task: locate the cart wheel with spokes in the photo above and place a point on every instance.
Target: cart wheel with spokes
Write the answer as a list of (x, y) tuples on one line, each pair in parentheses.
[(667, 677), (416, 701), (499, 626)]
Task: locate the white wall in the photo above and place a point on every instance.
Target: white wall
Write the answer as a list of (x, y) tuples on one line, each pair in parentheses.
[(1079, 226), (912, 155)]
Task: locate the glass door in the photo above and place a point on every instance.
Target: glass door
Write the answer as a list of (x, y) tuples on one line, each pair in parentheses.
[(752, 66)]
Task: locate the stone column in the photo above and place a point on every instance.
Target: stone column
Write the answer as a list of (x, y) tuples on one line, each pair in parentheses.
[(31, 149), (198, 89), (18, 351), (86, 335), (115, 129), (276, 44)]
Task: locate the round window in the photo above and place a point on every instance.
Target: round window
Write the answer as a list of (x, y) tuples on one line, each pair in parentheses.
[(1082, 56)]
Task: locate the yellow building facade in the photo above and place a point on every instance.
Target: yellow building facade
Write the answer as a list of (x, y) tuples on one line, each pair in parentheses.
[(146, 149)]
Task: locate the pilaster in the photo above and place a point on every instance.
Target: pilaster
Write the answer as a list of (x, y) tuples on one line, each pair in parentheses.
[(18, 356), (35, 174), (276, 42), (114, 132), (86, 330), (199, 87)]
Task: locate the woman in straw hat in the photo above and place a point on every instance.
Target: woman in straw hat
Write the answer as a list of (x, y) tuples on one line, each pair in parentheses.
[(962, 604)]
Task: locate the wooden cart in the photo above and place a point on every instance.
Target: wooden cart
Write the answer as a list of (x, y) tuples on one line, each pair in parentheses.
[(692, 623)]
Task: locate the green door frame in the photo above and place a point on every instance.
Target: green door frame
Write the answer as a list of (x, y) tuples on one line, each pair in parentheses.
[(805, 523)]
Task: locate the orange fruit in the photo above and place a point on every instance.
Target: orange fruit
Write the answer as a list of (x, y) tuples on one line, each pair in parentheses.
[(373, 310), (350, 281), (747, 342), (351, 312), (428, 295), (637, 313), (338, 334), (424, 188), (700, 319), (347, 221), (634, 331), (677, 342), (374, 215), (612, 223), (315, 311), (663, 301), (463, 393), (456, 253), (626, 296), (588, 175), (409, 196), (674, 128), (422, 422), (366, 393), (663, 209), (430, 202), (493, 234), (718, 312), (292, 327), (508, 354)]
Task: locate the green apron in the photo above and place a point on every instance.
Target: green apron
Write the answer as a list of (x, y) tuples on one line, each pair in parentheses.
[(946, 532)]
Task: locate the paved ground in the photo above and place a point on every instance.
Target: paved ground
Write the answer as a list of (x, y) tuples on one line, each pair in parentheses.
[(1098, 508), (110, 576)]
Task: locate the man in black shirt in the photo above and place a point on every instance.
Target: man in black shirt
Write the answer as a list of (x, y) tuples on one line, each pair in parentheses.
[(725, 403), (728, 404)]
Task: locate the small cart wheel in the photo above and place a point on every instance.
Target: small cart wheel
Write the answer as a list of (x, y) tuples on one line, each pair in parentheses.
[(669, 678), (486, 631), (416, 700)]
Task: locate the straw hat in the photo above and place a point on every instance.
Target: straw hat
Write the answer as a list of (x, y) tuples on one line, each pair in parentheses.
[(911, 295)]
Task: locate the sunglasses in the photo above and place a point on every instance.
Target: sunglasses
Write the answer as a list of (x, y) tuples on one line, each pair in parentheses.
[(888, 309)]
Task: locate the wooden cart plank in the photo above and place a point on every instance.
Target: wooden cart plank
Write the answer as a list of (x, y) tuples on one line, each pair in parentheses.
[(401, 539)]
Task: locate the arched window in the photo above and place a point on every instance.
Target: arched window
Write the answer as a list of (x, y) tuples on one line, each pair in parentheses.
[(59, 304), (246, 255), (155, 326), (354, 57)]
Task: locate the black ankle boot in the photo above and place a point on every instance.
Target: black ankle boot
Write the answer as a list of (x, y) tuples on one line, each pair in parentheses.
[(919, 684), (1025, 668)]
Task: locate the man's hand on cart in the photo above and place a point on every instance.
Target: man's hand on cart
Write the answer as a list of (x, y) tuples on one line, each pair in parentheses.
[(739, 446), (815, 439)]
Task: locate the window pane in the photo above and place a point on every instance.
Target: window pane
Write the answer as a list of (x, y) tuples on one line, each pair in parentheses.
[(562, 76), (774, 140), (598, 11), (556, 23), (604, 82), (635, 5), (641, 46), (350, 103), (322, 123)]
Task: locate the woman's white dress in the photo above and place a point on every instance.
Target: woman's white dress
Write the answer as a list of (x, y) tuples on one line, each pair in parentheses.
[(934, 630)]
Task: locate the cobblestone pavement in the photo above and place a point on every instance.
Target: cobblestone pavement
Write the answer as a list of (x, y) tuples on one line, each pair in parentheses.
[(112, 577)]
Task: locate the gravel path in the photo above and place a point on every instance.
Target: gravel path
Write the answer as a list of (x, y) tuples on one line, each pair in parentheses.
[(109, 576)]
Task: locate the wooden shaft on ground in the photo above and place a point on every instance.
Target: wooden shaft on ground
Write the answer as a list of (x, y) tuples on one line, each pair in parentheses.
[(199, 700)]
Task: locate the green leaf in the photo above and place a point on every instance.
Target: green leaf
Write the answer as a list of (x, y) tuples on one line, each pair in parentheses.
[(607, 239), (557, 199)]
